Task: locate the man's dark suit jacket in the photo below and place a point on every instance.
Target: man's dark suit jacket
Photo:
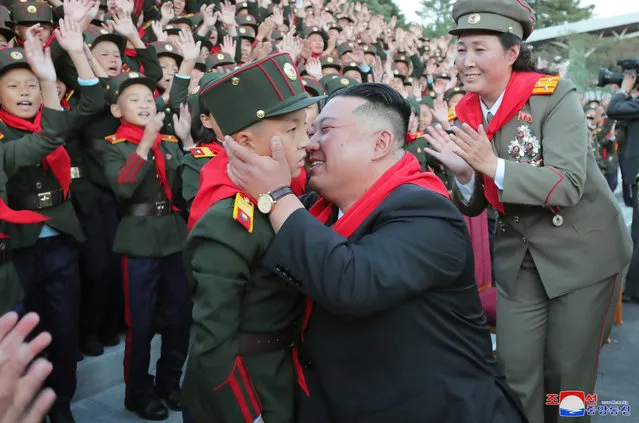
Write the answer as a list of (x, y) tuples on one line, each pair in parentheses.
[(397, 333)]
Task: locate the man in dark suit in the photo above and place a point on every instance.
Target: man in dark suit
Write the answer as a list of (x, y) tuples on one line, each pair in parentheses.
[(395, 330), (626, 108)]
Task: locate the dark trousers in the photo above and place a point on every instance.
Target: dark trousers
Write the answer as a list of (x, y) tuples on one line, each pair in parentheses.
[(611, 178), (632, 279), (102, 296), (626, 186), (492, 224), (147, 281), (50, 275), (186, 417)]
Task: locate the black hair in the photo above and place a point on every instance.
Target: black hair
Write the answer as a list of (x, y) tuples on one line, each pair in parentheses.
[(526, 60), (381, 98)]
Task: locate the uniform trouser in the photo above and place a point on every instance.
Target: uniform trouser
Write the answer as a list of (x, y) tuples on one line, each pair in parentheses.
[(50, 274), (551, 345), (148, 280), (611, 178), (101, 291), (625, 184)]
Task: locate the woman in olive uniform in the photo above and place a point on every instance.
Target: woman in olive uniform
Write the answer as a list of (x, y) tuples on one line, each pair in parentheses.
[(519, 143)]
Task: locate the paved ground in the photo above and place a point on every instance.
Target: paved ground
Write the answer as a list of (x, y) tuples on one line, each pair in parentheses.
[(100, 397)]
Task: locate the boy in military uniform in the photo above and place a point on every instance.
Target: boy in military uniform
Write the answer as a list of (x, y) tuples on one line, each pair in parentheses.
[(29, 150), (143, 167), (44, 255), (241, 365)]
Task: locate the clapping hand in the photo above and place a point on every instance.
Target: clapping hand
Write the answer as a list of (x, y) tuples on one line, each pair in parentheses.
[(445, 150), (182, 126)]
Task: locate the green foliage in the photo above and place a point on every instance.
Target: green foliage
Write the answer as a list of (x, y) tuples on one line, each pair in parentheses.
[(387, 8), (557, 12), (436, 16)]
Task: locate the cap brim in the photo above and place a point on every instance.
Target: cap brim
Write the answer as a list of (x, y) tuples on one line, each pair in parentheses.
[(116, 39), (300, 104), (16, 65), (144, 80)]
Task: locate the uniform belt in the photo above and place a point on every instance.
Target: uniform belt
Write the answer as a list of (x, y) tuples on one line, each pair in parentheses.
[(259, 343), (77, 172), (157, 209), (41, 200), (5, 252)]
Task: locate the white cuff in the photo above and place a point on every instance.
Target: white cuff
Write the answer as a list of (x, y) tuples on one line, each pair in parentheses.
[(258, 419), (500, 173), (466, 189)]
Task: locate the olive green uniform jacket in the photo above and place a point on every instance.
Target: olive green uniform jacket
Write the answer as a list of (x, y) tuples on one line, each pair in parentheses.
[(27, 151), (135, 181), (232, 294), (592, 242)]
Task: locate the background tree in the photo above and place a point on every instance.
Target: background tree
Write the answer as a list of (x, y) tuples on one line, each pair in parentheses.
[(557, 12), (436, 17), (387, 8)]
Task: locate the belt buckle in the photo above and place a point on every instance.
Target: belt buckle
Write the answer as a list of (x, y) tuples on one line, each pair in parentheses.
[(45, 199), (160, 209), (75, 172)]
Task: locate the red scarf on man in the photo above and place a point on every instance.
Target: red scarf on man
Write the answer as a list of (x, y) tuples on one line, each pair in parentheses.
[(215, 184), (517, 94), (58, 160), (133, 134), (23, 217), (405, 171)]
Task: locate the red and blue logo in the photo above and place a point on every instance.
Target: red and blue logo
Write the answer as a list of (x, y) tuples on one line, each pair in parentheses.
[(572, 404)]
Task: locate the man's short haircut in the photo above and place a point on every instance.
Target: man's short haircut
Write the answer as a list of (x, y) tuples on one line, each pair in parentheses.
[(382, 102)]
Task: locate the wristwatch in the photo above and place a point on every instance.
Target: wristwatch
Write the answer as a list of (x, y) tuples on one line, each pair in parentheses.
[(266, 202)]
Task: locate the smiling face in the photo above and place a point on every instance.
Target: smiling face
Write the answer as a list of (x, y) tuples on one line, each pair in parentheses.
[(169, 69), (316, 43), (136, 105), (108, 56), (292, 132), (246, 48), (484, 65), (20, 93)]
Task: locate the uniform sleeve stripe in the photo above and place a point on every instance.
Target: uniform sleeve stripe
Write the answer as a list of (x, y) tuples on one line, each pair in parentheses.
[(561, 179), (136, 168), (126, 168), (241, 401), (255, 401)]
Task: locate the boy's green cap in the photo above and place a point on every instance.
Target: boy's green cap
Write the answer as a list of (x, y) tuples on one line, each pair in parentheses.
[(118, 84)]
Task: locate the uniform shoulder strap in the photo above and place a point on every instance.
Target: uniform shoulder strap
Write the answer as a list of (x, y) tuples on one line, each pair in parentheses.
[(113, 139), (546, 85), (243, 211), (168, 138), (201, 152), (451, 115)]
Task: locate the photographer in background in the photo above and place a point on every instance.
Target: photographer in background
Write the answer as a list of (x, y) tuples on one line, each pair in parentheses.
[(626, 108)]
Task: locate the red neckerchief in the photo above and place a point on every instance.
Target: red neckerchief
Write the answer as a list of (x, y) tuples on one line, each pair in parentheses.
[(298, 184), (58, 160), (412, 136), (24, 217), (316, 55), (132, 53), (405, 171), (517, 94), (215, 185), (47, 44), (65, 100), (133, 134), (216, 49)]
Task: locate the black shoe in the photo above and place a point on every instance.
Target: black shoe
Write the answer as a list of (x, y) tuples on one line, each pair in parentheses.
[(172, 399), (61, 415), (110, 341), (92, 346), (147, 407)]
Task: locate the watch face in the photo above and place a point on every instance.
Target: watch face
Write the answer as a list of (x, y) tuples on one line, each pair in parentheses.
[(264, 203)]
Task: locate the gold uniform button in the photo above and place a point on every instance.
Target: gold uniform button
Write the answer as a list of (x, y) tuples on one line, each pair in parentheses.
[(235, 81)]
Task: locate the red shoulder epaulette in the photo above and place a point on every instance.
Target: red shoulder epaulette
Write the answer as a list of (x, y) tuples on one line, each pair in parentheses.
[(113, 139), (243, 211), (168, 138)]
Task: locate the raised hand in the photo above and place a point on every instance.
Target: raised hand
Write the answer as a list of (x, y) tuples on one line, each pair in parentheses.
[(76, 9), (229, 45), (153, 127), (69, 36), (445, 150), (190, 49), (209, 16), (314, 68), (38, 59), (278, 16), (159, 32), (228, 14), (167, 13), (123, 24), (182, 125), (125, 5)]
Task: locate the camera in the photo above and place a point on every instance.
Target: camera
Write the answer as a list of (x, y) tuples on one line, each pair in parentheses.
[(607, 77)]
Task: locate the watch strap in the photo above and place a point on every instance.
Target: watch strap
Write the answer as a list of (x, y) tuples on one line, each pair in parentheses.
[(281, 192)]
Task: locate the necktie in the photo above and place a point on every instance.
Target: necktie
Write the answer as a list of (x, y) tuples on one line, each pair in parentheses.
[(489, 117)]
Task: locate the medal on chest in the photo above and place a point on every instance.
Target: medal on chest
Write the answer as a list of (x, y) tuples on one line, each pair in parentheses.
[(525, 148)]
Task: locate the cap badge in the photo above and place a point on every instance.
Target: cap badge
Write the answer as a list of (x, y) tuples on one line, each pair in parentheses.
[(220, 56), (289, 70), (345, 81), (329, 59), (32, 9), (242, 30), (474, 18), (134, 75), (315, 28), (168, 47), (104, 31), (248, 19), (305, 82), (16, 55)]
